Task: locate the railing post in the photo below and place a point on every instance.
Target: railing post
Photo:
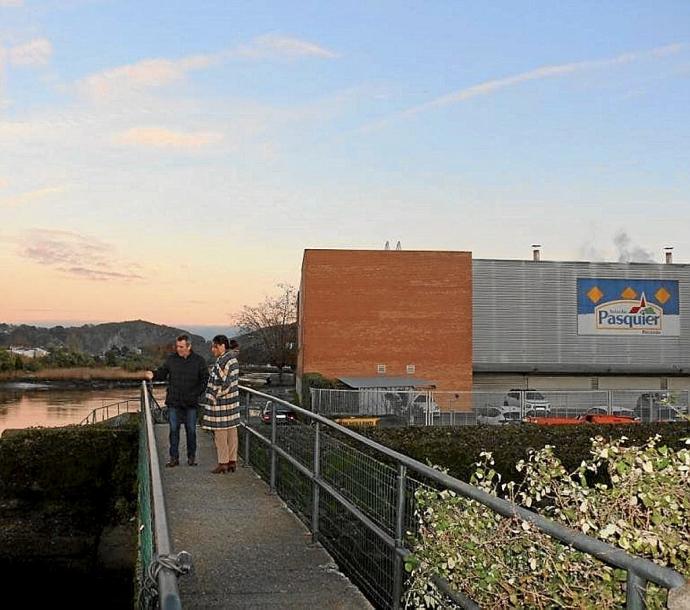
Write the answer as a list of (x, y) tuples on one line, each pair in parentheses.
[(399, 531), (608, 401), (274, 430), (635, 592), (316, 490), (247, 435)]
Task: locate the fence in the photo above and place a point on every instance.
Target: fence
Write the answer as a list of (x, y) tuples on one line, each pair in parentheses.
[(106, 411), (157, 569), (358, 499), (407, 407)]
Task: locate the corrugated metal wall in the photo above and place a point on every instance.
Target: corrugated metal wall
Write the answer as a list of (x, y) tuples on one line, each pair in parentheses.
[(525, 318)]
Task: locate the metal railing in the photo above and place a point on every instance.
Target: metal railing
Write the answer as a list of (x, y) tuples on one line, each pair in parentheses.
[(432, 407), (99, 414), (157, 568), (360, 508), (154, 536)]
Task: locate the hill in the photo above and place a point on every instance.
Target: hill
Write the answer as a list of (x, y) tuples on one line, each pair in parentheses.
[(96, 339)]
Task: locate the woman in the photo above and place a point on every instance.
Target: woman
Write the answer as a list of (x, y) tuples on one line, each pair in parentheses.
[(222, 404)]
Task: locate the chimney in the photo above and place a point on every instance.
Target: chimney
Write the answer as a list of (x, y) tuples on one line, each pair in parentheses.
[(669, 254), (536, 252)]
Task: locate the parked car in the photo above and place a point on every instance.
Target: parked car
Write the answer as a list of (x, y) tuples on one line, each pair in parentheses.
[(657, 406), (284, 414), (652, 399), (498, 416), (616, 411), (534, 402)]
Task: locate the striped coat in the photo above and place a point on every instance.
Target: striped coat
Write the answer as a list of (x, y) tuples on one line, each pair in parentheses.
[(221, 401)]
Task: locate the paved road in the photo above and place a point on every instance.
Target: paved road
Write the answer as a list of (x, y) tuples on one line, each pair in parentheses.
[(249, 551)]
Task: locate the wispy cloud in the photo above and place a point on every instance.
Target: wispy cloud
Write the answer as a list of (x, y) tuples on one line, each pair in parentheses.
[(156, 137), (148, 73), (77, 255), (158, 72), (30, 196), (272, 46), (11, 3), (544, 72), (36, 52)]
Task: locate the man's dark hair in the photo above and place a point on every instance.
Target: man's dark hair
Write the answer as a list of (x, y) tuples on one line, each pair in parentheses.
[(184, 337), (234, 344), (221, 340)]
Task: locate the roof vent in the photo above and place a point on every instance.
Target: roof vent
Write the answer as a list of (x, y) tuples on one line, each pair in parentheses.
[(536, 252), (669, 254)]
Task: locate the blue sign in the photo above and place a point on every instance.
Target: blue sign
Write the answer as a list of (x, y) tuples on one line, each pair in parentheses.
[(624, 307)]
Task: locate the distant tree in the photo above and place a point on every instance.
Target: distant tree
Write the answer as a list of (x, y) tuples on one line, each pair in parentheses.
[(6, 360), (112, 356), (273, 321)]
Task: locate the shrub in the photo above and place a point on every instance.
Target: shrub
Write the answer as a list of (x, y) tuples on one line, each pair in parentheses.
[(505, 562), (458, 448), (315, 380)]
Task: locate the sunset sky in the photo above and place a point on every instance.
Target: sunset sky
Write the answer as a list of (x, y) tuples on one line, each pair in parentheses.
[(171, 160)]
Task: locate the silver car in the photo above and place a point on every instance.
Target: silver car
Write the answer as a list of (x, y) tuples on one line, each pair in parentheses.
[(498, 416), (533, 402)]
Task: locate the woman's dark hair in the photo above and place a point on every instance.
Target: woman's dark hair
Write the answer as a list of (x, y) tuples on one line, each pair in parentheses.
[(221, 340), (234, 344)]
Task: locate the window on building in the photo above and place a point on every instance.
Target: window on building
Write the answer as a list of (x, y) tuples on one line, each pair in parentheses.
[(410, 369), (380, 368)]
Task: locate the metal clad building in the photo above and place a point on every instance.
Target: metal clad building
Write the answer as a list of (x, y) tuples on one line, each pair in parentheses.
[(529, 317)]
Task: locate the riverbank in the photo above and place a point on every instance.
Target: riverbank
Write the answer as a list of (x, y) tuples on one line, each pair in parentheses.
[(75, 377)]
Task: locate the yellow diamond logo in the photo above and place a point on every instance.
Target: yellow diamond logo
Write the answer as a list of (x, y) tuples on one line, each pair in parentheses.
[(594, 294), (662, 295), (629, 294)]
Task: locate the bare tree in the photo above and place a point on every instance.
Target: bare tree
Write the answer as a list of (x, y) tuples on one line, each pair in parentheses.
[(274, 322)]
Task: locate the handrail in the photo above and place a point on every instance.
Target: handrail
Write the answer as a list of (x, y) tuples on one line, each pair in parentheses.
[(639, 570), (91, 417), (168, 593)]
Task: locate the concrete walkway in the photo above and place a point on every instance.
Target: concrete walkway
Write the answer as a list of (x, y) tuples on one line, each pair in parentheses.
[(248, 549)]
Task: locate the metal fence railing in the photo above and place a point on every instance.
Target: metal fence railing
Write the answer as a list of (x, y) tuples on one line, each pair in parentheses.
[(112, 409), (430, 408), (358, 499), (157, 568)]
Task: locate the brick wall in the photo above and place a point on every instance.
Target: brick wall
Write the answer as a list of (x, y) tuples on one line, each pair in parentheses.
[(361, 308)]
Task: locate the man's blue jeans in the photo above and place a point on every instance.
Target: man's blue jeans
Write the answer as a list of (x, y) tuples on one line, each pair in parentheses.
[(178, 416)]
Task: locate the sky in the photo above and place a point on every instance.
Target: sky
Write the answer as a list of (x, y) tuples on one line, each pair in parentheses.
[(170, 161)]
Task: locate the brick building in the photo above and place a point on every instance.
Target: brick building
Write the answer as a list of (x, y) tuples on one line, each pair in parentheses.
[(383, 313), (377, 318)]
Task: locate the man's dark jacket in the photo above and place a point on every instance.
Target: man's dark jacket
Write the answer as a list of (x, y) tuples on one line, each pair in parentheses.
[(186, 379)]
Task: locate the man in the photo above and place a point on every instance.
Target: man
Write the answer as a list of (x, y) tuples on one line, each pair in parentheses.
[(186, 373)]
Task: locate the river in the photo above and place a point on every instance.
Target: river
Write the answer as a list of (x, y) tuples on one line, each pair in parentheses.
[(23, 405)]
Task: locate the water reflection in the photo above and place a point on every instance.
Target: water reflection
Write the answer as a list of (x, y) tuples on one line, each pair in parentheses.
[(25, 405)]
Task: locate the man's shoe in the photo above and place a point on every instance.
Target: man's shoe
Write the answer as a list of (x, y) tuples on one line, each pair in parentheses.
[(173, 462), (191, 461)]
